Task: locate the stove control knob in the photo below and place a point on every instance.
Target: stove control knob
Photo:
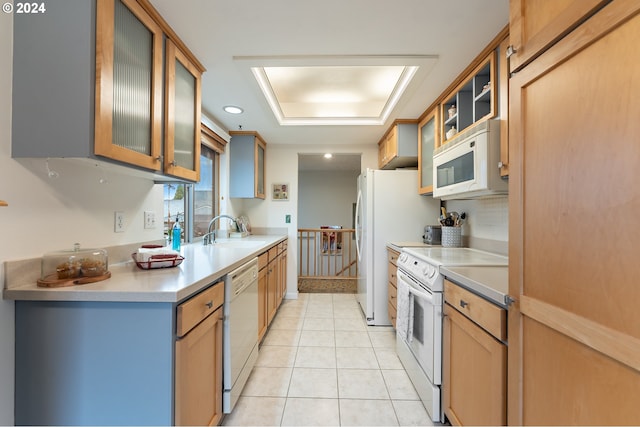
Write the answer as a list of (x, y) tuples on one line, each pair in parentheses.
[(402, 257), (425, 270), (432, 271)]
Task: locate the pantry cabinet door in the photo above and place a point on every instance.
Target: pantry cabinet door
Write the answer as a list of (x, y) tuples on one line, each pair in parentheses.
[(534, 25), (574, 332)]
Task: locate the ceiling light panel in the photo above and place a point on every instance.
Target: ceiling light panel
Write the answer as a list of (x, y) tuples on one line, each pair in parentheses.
[(333, 94)]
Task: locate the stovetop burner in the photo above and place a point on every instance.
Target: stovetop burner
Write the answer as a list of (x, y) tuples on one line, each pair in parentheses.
[(450, 257), (423, 264)]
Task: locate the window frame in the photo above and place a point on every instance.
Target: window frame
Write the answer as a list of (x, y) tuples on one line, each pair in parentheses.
[(209, 141)]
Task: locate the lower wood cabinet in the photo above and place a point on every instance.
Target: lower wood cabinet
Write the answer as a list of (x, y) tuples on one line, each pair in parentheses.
[(272, 284), (263, 318), (282, 276), (273, 271), (474, 359), (198, 365), (392, 274)]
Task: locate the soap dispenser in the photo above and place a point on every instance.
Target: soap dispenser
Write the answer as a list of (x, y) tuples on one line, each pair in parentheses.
[(176, 235)]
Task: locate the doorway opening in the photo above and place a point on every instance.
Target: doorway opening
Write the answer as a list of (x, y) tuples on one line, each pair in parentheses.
[(327, 192)]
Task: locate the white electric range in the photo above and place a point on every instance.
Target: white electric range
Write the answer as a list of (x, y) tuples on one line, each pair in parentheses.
[(419, 314)]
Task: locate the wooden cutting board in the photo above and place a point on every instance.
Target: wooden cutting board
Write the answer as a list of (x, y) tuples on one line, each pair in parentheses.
[(52, 281)]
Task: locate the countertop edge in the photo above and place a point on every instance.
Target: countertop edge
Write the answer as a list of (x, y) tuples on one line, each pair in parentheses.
[(101, 293), (484, 290)]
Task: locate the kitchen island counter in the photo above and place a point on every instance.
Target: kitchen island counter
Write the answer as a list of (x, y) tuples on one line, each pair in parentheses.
[(202, 266)]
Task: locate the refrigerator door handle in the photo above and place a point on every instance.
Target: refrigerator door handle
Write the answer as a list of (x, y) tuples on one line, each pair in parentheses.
[(358, 225)]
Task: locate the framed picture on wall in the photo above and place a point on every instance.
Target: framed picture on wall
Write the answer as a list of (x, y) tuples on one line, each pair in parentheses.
[(280, 192)]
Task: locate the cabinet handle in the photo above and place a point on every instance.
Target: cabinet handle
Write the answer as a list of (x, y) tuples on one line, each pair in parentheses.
[(209, 304), (510, 51), (173, 163), (463, 303)]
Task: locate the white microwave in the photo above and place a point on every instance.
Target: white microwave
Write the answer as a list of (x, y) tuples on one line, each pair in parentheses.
[(468, 166)]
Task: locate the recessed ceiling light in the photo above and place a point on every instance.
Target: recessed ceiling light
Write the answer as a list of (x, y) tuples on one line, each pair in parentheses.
[(232, 109), (328, 155)]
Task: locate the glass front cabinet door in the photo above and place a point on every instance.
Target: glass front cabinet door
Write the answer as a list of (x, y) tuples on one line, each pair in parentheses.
[(182, 116), (130, 74), (128, 84), (428, 141)]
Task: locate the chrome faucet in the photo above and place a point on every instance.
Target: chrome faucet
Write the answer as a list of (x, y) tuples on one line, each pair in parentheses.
[(210, 237)]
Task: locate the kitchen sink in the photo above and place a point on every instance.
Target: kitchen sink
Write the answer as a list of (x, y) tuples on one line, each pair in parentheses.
[(238, 243)]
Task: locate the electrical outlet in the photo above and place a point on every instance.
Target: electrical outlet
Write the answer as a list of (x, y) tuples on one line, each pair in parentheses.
[(118, 222), (149, 219)]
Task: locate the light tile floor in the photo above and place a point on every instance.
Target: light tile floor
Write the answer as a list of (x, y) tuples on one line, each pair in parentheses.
[(321, 365)]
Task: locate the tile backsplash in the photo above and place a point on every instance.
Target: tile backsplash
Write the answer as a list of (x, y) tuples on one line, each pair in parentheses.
[(487, 223)]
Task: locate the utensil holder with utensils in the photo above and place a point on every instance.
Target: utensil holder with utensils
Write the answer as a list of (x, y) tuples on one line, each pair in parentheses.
[(452, 237)]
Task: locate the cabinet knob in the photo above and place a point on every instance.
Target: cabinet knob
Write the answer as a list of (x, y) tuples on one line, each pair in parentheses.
[(159, 158), (510, 51), (463, 303), (500, 165), (209, 304)]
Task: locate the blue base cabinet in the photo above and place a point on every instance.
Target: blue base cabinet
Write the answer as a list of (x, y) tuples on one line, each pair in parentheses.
[(94, 363)]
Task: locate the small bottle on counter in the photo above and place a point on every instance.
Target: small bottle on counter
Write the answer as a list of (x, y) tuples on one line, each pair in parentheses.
[(176, 235)]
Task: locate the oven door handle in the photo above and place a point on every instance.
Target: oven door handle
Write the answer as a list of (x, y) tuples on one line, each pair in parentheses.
[(414, 288)]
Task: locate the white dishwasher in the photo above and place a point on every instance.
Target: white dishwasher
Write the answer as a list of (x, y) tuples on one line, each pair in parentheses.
[(240, 330)]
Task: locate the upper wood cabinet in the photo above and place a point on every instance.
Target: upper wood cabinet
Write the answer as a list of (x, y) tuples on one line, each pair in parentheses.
[(398, 148), (247, 152), (536, 25), (479, 93), (128, 111), (428, 140), (105, 100), (182, 113), (471, 101)]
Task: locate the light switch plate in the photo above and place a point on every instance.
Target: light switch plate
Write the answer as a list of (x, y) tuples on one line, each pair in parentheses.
[(118, 222), (287, 219), (149, 219)]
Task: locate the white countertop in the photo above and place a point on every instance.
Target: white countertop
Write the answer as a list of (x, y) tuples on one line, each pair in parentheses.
[(397, 246), (491, 283), (202, 266)]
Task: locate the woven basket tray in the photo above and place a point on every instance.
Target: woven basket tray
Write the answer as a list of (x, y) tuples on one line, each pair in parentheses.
[(159, 261)]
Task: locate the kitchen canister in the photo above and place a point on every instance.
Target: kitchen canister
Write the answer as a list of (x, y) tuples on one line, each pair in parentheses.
[(452, 237)]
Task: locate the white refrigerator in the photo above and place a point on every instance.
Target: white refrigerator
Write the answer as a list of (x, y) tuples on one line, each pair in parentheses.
[(388, 209)]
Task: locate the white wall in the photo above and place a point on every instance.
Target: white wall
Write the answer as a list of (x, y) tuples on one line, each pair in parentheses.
[(326, 198), (282, 167), (50, 214)]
